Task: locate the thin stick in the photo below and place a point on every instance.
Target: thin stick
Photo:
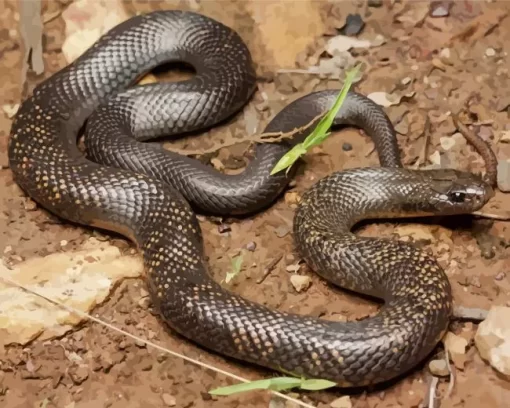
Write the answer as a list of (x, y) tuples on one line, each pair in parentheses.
[(431, 397), (269, 268), (147, 342)]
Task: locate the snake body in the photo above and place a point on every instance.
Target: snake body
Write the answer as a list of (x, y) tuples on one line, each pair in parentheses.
[(147, 194)]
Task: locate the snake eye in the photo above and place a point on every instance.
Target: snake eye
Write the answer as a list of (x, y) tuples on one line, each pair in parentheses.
[(457, 197)]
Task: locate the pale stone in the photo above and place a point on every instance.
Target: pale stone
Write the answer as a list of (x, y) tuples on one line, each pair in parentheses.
[(81, 280), (492, 339)]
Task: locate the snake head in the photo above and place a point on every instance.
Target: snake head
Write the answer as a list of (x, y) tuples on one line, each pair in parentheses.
[(457, 192)]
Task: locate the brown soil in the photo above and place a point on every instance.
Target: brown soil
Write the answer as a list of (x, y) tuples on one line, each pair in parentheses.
[(93, 366)]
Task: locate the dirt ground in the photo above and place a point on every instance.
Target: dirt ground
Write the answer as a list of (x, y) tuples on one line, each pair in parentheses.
[(92, 366)]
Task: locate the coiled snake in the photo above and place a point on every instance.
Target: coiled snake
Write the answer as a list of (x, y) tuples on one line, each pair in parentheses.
[(147, 194)]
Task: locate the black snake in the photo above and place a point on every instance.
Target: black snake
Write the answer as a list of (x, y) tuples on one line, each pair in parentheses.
[(149, 200)]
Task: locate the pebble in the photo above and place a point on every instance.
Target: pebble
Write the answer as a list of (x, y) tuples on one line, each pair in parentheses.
[(504, 176), (445, 54), (439, 9), (490, 52), (342, 402), (347, 147), (500, 276), (353, 25), (30, 205), (168, 400), (492, 339), (140, 343), (222, 228), (292, 198), (78, 374), (251, 246), (300, 282), (505, 136), (439, 368), (456, 345), (293, 268)]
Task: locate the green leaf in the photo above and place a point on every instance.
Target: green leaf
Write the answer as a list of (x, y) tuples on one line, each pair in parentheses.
[(321, 131), (237, 262), (289, 158), (316, 384), (275, 384)]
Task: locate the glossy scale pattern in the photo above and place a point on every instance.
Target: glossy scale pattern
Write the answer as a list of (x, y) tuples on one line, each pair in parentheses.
[(127, 192)]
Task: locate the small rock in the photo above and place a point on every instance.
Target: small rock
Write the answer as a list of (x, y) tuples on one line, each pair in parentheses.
[(300, 282), (500, 276), (281, 231), (492, 339), (439, 368), (406, 81), (222, 228), (140, 343), (347, 147), (292, 198), (490, 52), (293, 268), (505, 136), (251, 246), (504, 176), (30, 205), (445, 56), (78, 373), (353, 25), (168, 400), (456, 345), (440, 8), (342, 402)]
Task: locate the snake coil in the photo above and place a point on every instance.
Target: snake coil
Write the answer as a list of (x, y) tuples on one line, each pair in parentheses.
[(147, 194)]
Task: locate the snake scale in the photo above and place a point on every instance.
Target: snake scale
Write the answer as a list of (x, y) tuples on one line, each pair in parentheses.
[(149, 195)]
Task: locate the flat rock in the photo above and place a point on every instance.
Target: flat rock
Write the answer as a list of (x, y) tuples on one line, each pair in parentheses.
[(492, 339), (80, 279)]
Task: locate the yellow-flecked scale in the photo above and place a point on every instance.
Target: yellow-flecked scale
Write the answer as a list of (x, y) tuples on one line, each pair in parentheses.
[(148, 194)]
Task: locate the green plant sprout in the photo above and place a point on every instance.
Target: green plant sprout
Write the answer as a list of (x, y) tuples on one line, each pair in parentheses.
[(321, 131)]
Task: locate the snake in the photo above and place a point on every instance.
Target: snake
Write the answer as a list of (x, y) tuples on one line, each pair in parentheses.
[(121, 183)]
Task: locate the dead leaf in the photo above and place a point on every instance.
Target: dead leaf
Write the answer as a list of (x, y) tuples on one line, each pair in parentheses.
[(385, 99)]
